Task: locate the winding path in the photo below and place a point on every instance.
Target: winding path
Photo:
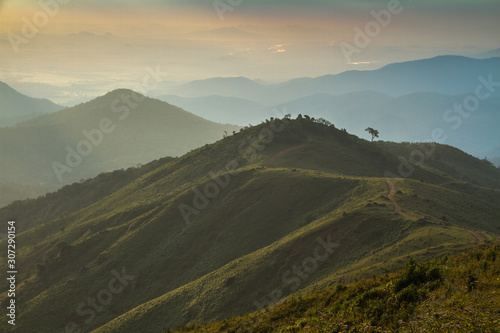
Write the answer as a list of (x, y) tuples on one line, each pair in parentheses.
[(397, 207), (478, 236)]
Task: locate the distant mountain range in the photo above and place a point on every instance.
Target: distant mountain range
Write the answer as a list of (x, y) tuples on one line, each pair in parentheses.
[(221, 109), (118, 130), (449, 75), (404, 101), (411, 118), (16, 107), (229, 33), (489, 54)]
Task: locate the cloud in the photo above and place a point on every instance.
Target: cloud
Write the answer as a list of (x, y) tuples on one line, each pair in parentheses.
[(361, 63), (278, 48)]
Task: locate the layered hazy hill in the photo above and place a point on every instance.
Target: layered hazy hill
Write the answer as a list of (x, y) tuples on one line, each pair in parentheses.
[(221, 109), (16, 107), (241, 223), (448, 75), (404, 101), (118, 130), (411, 117)]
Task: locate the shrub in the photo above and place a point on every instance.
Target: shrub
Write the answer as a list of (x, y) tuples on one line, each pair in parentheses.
[(409, 294)]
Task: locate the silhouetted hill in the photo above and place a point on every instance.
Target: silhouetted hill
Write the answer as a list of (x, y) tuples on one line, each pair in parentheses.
[(118, 130), (16, 107)]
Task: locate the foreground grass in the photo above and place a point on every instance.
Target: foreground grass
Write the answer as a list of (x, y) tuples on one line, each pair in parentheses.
[(460, 293)]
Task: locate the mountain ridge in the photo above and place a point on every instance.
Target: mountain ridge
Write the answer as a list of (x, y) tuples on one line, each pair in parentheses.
[(245, 228), (442, 74)]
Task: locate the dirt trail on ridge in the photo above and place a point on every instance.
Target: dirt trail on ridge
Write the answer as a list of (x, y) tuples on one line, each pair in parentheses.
[(397, 207), (478, 236)]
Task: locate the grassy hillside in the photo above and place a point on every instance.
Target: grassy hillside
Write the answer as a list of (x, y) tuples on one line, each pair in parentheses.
[(448, 160), (118, 130), (285, 206), (73, 197), (457, 293)]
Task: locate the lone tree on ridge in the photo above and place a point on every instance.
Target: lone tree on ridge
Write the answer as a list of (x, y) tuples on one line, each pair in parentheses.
[(373, 132)]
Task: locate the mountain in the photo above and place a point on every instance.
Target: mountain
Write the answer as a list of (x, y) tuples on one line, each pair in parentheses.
[(239, 224), (220, 109), (16, 107), (411, 117), (448, 75), (118, 130), (344, 110), (239, 87)]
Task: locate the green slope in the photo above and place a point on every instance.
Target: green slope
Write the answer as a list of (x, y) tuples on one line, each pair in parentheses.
[(274, 194), (446, 159), (73, 197), (458, 293)]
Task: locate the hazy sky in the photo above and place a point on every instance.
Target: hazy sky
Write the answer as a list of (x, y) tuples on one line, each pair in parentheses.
[(83, 48)]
